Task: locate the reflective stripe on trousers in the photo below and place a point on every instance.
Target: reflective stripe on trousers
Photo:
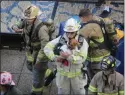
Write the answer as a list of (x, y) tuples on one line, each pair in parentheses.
[(121, 92), (37, 89), (92, 89), (29, 57), (69, 74), (39, 71), (107, 94)]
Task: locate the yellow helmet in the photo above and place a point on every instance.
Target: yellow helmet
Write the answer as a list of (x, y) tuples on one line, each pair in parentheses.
[(31, 12)]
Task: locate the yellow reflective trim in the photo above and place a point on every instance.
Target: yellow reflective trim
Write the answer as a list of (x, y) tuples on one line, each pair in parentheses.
[(48, 72), (17, 23), (50, 46), (100, 40), (81, 54), (76, 26), (107, 93), (97, 58), (37, 89), (69, 74), (108, 61), (35, 44), (92, 44), (104, 59), (92, 89), (121, 92), (51, 55), (41, 55), (75, 58), (113, 65), (29, 57)]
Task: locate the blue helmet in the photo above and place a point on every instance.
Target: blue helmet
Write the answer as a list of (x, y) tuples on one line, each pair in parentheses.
[(108, 62)]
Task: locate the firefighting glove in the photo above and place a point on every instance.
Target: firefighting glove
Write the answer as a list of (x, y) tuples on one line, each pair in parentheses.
[(49, 76)]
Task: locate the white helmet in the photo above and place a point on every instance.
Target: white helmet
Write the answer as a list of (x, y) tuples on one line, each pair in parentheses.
[(71, 25), (6, 78)]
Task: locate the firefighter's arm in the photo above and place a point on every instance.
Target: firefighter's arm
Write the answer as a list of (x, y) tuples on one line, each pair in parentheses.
[(111, 30), (92, 90), (49, 48), (89, 31), (44, 39), (85, 31), (18, 26), (121, 86), (80, 55)]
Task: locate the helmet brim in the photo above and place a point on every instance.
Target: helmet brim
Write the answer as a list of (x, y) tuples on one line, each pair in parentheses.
[(70, 31), (74, 30), (25, 17)]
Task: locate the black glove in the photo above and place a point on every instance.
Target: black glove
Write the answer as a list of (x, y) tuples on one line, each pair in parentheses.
[(50, 78)]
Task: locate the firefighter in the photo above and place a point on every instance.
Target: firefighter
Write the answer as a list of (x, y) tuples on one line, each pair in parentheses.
[(108, 6), (36, 36), (94, 35), (69, 52), (107, 81), (7, 85)]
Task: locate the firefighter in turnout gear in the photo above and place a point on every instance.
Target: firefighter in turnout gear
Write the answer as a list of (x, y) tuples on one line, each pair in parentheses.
[(69, 53), (36, 34), (107, 81), (95, 36)]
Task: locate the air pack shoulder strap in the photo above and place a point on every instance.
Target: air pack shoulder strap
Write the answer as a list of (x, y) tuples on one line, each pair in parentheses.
[(80, 40), (102, 26), (35, 33), (61, 42)]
